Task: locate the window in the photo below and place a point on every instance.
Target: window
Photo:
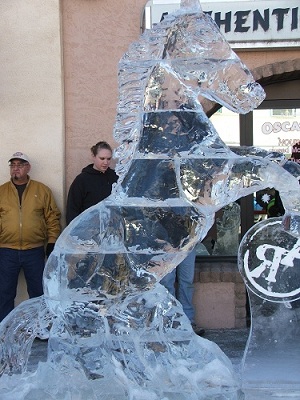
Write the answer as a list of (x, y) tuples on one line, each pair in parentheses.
[(276, 129), (223, 119), (274, 126), (283, 112)]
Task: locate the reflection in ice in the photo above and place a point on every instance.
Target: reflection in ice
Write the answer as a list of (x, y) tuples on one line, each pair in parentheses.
[(114, 331), (228, 231)]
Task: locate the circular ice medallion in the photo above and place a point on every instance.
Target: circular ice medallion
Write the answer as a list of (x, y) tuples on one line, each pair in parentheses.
[(269, 260)]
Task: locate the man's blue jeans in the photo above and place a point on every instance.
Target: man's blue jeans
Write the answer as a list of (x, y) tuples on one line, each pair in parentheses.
[(11, 262), (185, 279)]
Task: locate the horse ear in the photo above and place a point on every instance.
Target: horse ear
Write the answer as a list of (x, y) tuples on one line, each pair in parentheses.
[(193, 5)]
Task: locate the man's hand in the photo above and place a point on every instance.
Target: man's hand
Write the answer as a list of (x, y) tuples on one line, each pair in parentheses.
[(49, 249)]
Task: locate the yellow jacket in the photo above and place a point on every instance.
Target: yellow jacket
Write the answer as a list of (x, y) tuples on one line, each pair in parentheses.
[(33, 223)]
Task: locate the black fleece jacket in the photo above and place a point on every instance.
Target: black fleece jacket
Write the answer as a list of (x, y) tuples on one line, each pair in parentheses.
[(87, 189)]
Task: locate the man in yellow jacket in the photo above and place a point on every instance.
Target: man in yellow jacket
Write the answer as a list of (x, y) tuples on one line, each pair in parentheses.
[(29, 224)]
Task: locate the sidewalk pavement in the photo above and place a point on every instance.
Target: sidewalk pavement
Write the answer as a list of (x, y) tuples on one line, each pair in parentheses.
[(231, 341)]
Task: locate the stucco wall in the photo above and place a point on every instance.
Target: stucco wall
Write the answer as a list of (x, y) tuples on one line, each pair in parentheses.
[(31, 81), (31, 112), (260, 58), (95, 34)]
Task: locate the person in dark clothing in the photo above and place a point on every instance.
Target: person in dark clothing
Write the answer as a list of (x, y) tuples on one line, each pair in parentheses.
[(270, 201), (93, 184), (275, 207), (296, 153)]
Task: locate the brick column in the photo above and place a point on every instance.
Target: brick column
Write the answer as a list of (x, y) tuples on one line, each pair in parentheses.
[(220, 294)]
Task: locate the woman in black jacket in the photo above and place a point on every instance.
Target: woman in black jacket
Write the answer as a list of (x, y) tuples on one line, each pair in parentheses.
[(93, 184)]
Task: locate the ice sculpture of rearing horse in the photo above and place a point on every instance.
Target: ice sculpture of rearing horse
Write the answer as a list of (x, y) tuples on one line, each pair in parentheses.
[(175, 172)]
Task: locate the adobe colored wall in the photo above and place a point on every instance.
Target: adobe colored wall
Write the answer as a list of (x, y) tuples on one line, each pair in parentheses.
[(95, 36), (32, 108)]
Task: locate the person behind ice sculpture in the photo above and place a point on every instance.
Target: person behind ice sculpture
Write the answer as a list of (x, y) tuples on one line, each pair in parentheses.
[(183, 274), (295, 156), (29, 219), (275, 207), (93, 184), (270, 199)]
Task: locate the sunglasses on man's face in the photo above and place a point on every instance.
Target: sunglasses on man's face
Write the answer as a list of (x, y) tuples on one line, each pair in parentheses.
[(19, 166)]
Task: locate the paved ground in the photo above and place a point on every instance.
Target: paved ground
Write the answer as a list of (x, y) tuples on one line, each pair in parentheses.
[(231, 341)]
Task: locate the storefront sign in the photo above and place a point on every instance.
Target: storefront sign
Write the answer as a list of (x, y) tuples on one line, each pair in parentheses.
[(285, 135), (245, 24), (275, 127), (265, 23)]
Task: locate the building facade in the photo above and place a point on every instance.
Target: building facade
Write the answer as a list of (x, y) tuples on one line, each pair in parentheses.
[(59, 93)]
